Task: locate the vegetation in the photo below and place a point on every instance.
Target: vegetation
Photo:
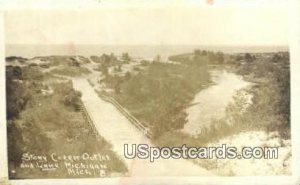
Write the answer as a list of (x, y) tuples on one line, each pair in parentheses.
[(271, 94), (71, 71), (15, 58), (126, 58), (159, 94), (199, 58), (156, 93), (43, 123), (56, 60), (269, 110)]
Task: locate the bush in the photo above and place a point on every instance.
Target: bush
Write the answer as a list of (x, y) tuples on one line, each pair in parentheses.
[(158, 95), (71, 71)]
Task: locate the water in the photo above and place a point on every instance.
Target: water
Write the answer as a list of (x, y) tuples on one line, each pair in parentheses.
[(118, 131), (211, 103), (143, 51)]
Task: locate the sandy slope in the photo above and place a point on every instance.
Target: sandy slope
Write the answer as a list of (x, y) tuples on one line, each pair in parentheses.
[(252, 166)]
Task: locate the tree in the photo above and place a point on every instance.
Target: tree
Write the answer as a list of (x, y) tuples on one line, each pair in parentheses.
[(276, 58), (126, 57), (220, 57), (249, 57), (74, 63), (204, 53), (73, 100), (97, 59), (105, 58), (112, 58), (157, 58)]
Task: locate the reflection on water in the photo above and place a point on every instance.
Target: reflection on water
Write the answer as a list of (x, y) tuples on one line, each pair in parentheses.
[(210, 103)]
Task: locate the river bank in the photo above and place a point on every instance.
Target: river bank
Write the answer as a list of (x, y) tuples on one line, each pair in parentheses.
[(210, 103), (158, 93)]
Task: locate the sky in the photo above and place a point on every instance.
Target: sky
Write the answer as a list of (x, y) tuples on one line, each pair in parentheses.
[(193, 22)]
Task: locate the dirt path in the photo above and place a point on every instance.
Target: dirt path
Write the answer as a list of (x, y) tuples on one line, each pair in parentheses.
[(116, 129)]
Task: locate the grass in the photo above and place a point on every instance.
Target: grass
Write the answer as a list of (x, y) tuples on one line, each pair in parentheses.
[(70, 71), (158, 95), (269, 111), (41, 124)]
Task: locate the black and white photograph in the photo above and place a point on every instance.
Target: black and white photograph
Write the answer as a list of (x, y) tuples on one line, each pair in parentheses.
[(198, 89)]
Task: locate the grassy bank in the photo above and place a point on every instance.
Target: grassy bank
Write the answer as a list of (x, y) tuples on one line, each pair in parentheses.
[(271, 93), (270, 107), (44, 119)]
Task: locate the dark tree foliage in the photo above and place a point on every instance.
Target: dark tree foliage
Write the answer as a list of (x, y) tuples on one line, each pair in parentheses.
[(199, 58), (126, 58), (249, 57)]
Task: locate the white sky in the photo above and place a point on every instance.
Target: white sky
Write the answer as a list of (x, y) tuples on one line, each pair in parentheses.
[(226, 22)]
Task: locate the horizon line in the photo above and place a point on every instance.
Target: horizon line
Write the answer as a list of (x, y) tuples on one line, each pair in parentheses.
[(227, 45)]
